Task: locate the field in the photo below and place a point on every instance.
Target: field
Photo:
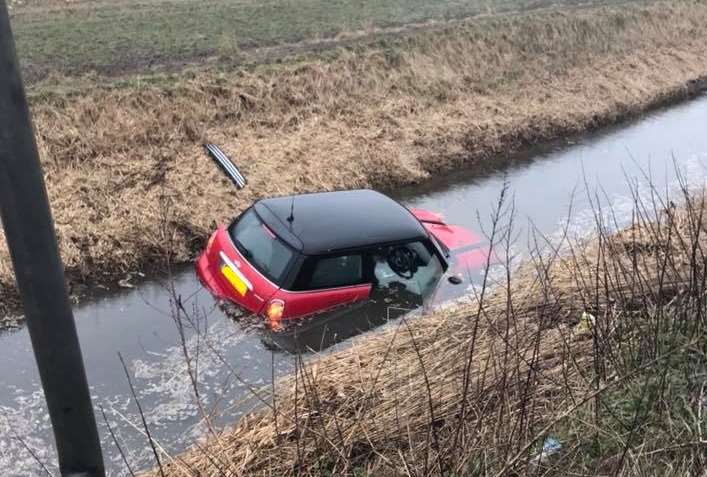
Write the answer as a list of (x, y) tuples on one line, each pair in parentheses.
[(137, 36), (131, 188)]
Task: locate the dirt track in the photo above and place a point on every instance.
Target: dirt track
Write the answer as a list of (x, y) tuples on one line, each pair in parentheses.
[(130, 186)]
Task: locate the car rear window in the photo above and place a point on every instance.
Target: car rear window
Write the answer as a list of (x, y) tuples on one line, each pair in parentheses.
[(261, 247)]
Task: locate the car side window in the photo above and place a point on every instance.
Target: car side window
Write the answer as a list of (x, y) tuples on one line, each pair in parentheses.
[(412, 267), (331, 272)]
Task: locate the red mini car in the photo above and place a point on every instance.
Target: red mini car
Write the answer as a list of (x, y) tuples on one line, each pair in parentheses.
[(290, 257)]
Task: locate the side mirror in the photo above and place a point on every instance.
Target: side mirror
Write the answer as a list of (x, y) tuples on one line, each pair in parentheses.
[(455, 280)]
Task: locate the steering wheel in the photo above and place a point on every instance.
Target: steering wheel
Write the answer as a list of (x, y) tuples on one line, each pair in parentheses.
[(403, 262)]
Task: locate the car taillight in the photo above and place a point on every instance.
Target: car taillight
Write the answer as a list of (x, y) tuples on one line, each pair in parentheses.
[(274, 311)]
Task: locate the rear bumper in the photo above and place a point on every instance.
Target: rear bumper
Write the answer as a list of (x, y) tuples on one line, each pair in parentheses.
[(207, 278), (220, 291)]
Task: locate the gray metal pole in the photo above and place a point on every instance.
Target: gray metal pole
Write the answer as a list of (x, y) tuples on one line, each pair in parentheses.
[(29, 228)]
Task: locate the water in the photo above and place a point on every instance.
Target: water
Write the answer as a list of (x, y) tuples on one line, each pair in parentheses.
[(232, 363)]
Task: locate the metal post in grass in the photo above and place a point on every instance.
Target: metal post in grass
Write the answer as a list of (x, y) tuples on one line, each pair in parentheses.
[(29, 229)]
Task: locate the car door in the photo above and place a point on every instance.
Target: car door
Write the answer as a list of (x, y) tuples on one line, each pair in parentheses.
[(383, 294), (326, 282)]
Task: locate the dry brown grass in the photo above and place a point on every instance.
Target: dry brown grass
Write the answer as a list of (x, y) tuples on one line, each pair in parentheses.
[(122, 162), (475, 390)]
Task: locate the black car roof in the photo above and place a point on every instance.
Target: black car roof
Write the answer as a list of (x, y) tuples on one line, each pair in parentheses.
[(330, 221)]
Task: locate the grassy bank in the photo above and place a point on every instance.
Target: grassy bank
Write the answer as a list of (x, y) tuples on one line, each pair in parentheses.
[(130, 185), (597, 345), (135, 36)]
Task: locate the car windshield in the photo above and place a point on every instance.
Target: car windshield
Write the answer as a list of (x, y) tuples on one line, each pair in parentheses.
[(261, 247)]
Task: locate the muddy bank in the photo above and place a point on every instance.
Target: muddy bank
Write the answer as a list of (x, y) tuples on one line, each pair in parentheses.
[(131, 189)]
